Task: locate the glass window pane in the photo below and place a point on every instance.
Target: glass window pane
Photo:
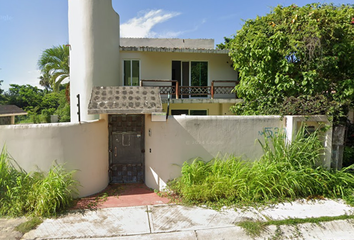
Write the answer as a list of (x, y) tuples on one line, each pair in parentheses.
[(136, 73), (127, 73), (199, 73), (179, 112), (198, 112)]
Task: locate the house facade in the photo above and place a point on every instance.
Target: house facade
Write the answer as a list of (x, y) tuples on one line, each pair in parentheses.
[(129, 81), (126, 94), (197, 77)]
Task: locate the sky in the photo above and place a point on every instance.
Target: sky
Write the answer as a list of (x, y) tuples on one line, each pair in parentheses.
[(28, 27)]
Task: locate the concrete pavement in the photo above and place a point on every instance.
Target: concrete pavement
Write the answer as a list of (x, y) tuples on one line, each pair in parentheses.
[(169, 221)]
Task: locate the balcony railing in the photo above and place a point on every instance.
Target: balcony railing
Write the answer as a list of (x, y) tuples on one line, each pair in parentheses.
[(172, 87)]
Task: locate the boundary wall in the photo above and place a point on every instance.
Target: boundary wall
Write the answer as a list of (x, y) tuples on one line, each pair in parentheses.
[(182, 138), (82, 147)]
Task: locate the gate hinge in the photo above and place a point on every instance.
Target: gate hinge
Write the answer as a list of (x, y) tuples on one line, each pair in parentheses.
[(110, 150)]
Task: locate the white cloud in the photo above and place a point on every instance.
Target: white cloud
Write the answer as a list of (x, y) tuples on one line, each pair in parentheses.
[(169, 34), (142, 25)]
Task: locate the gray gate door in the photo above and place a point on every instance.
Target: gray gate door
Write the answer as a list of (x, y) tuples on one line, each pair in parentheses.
[(126, 148)]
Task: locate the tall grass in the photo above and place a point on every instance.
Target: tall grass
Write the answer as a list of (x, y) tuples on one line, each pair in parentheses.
[(284, 172), (38, 194)]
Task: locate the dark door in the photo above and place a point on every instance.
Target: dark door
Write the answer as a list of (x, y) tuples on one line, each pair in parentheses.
[(126, 148)]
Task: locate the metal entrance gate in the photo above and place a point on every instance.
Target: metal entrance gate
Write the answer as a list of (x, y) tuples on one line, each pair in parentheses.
[(126, 137)]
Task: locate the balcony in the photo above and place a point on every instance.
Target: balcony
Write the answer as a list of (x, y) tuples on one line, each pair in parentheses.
[(219, 89)]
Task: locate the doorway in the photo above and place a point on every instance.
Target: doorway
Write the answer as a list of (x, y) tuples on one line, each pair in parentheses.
[(126, 148)]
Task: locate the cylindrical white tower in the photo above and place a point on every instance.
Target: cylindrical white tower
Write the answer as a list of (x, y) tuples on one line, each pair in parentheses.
[(94, 51)]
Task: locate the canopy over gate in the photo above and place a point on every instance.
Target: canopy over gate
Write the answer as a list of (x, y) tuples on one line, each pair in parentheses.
[(125, 100)]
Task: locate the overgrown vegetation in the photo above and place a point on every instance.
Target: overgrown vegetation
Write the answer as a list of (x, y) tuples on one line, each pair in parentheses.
[(284, 172), (255, 228), (295, 54), (37, 194), (29, 225)]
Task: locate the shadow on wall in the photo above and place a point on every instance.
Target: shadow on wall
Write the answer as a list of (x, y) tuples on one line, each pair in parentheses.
[(182, 138)]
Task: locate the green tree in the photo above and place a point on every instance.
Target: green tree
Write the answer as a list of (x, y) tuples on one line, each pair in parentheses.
[(63, 110), (44, 81), (2, 96), (40, 104), (54, 65), (26, 97), (295, 51), (225, 45)]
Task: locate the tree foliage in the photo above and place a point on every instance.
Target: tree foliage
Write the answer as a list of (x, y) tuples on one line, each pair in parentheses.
[(54, 65), (40, 104), (26, 97), (2, 96), (224, 45), (295, 51)]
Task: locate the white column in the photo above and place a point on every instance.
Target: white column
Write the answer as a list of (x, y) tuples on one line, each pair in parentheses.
[(94, 50)]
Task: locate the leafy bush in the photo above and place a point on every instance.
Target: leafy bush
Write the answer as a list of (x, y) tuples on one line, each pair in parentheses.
[(285, 171), (294, 51), (301, 105), (36, 194)]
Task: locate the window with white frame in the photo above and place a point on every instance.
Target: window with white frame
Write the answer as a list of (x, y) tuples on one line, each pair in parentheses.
[(131, 72)]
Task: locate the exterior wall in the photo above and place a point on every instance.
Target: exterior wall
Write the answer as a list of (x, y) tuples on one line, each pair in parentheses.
[(181, 138), (83, 147), (94, 50), (294, 123), (351, 115), (212, 108), (6, 120), (158, 65)]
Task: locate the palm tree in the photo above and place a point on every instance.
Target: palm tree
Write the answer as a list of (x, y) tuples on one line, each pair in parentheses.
[(44, 81), (54, 65)]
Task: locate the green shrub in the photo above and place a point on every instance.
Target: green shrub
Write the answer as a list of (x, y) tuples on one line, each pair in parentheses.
[(284, 172), (39, 194)]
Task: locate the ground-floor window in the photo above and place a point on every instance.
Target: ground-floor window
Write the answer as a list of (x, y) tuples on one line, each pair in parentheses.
[(188, 112), (198, 112), (179, 112)]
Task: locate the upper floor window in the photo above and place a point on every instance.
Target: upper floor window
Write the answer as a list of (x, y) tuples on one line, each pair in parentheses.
[(199, 73), (131, 73)]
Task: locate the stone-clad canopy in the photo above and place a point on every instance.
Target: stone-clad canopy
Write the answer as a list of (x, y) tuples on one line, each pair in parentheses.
[(125, 100)]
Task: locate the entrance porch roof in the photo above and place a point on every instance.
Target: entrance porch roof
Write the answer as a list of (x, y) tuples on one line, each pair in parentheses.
[(125, 100)]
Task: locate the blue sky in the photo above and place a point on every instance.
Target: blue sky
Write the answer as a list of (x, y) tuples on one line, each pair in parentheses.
[(27, 27)]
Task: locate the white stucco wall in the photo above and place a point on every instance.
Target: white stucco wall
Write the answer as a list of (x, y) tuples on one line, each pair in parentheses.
[(186, 137), (181, 138), (158, 65), (294, 123), (94, 50), (83, 147)]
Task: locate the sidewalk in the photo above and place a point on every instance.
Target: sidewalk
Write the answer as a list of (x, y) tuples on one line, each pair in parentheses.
[(169, 221)]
